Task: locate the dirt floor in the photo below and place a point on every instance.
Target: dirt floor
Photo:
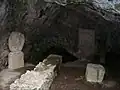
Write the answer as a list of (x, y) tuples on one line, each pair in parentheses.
[(73, 79)]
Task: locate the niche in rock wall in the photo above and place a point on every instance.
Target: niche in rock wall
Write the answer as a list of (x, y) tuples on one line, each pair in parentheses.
[(86, 39)]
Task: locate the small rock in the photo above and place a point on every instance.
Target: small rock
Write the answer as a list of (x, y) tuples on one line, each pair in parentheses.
[(65, 78), (109, 84), (80, 78)]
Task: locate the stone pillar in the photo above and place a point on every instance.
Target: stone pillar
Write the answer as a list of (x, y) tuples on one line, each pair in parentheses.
[(16, 56)]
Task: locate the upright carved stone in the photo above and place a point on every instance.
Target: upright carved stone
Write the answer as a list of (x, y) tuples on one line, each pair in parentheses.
[(16, 41), (16, 56)]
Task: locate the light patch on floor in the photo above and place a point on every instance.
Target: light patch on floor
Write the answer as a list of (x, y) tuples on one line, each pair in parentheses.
[(7, 77)]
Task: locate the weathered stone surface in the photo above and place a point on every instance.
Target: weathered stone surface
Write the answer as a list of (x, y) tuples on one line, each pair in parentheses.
[(16, 41), (7, 77), (16, 60), (3, 11), (95, 73), (40, 67), (4, 51), (41, 77), (104, 4), (50, 60), (54, 60), (109, 5), (34, 80), (64, 2)]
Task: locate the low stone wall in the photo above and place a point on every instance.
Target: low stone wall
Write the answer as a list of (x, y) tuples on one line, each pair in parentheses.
[(41, 77)]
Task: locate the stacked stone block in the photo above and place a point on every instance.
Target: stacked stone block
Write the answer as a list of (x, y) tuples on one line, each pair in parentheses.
[(16, 56)]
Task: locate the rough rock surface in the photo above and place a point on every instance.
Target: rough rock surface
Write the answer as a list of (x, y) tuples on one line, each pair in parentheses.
[(107, 4), (4, 52), (34, 80), (104, 4), (16, 41), (40, 78), (3, 11), (95, 73)]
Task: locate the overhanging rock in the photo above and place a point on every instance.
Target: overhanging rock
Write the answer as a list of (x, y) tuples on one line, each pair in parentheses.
[(41, 77)]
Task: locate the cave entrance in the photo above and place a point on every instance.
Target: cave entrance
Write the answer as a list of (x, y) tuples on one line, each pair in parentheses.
[(58, 50)]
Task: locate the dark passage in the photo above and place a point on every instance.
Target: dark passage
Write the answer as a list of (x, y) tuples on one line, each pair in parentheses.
[(66, 56), (113, 63), (41, 55)]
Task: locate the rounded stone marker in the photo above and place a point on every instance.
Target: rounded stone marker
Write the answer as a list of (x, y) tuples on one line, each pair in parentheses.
[(16, 41)]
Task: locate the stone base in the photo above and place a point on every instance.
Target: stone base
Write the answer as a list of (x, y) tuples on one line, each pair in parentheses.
[(95, 73), (16, 60)]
